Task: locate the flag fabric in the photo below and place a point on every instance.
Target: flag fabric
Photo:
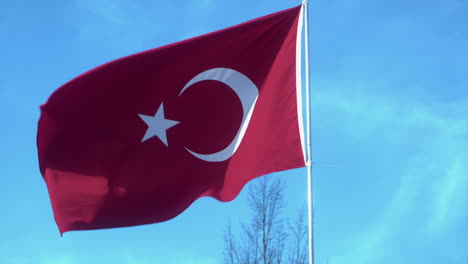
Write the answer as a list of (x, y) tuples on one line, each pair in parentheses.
[(137, 140)]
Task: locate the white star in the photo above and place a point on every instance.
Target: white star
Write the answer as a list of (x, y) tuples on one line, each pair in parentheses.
[(157, 125)]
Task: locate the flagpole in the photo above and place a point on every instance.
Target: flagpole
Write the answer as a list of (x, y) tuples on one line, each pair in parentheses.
[(308, 137)]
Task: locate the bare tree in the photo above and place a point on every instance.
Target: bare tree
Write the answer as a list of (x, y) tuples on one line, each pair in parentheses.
[(263, 240), (298, 246)]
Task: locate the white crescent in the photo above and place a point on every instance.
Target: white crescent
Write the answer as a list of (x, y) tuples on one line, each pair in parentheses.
[(247, 92)]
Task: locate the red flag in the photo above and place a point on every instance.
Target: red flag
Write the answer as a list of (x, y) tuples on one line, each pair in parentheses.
[(137, 140)]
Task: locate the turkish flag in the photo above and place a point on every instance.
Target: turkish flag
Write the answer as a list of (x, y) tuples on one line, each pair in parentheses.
[(137, 140)]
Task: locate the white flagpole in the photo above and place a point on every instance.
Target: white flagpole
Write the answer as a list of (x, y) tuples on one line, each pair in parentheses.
[(308, 140)]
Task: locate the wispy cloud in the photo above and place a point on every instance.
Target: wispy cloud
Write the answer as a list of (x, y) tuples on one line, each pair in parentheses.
[(432, 195), (451, 196)]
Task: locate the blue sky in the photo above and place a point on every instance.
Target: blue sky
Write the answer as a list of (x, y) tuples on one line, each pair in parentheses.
[(390, 128)]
